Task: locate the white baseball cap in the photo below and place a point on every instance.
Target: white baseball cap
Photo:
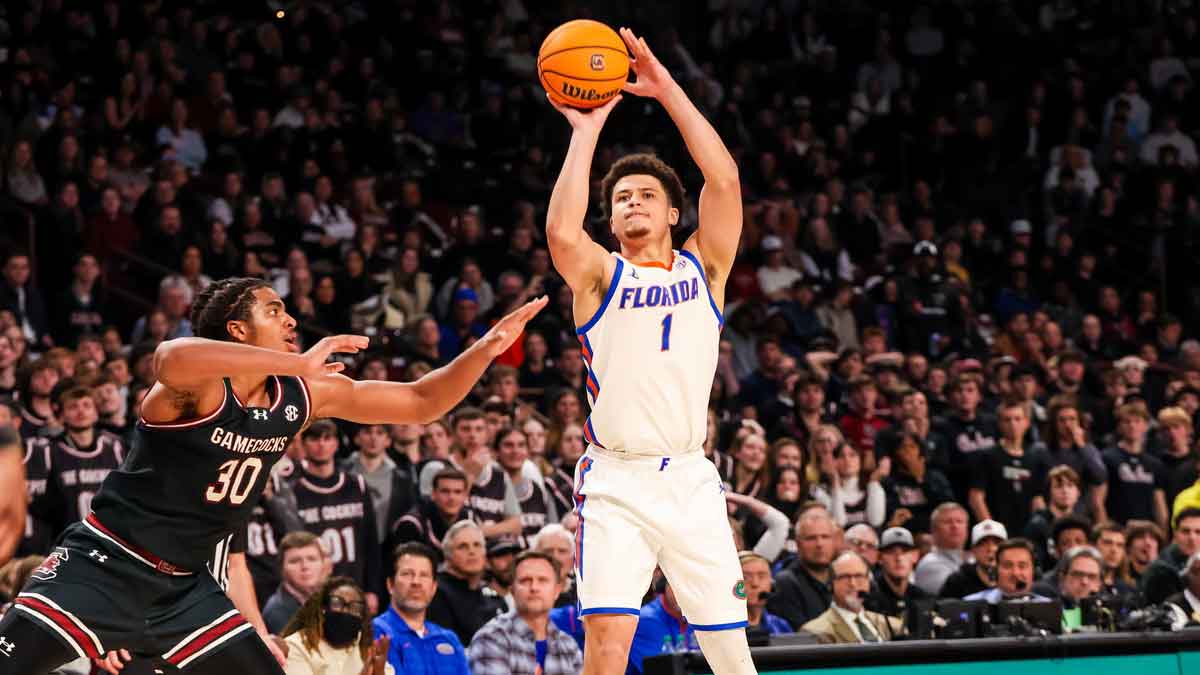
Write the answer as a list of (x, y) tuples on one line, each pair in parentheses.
[(987, 528)]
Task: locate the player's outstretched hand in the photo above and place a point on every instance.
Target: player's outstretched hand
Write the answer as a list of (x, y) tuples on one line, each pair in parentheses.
[(114, 662), (506, 330), (318, 355), (653, 79), (586, 120)]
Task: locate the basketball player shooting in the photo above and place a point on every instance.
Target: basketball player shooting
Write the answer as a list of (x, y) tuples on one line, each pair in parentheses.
[(139, 574), (649, 321)]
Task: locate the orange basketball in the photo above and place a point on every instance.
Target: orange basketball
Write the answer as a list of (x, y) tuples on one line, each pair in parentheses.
[(583, 63)]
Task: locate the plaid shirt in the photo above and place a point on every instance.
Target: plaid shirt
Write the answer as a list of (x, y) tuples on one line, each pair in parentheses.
[(506, 646)]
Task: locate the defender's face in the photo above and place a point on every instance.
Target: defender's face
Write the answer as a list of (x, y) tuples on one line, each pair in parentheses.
[(270, 326), (641, 210)]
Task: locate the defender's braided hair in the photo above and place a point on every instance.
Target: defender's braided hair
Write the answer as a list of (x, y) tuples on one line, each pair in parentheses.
[(223, 301)]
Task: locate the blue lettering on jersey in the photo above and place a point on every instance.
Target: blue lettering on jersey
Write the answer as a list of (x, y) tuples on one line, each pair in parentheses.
[(637, 297)]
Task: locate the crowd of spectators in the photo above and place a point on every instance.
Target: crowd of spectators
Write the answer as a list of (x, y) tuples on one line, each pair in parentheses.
[(961, 355)]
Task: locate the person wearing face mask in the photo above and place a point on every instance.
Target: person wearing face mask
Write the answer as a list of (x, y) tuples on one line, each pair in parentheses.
[(332, 635), (1015, 565), (847, 621), (978, 574)]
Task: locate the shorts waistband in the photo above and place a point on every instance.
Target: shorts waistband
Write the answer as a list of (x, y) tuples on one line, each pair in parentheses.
[(639, 459), (149, 559)]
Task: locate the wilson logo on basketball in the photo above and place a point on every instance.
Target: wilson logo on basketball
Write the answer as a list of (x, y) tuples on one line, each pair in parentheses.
[(597, 62), (572, 92)]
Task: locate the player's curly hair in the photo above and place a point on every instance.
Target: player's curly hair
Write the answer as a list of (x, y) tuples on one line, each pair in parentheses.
[(223, 301), (642, 163)]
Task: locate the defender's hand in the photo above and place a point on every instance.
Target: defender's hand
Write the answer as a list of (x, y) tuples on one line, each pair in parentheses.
[(114, 662), (508, 329), (317, 356)]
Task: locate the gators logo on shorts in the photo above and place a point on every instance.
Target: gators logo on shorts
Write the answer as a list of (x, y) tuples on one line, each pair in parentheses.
[(739, 590)]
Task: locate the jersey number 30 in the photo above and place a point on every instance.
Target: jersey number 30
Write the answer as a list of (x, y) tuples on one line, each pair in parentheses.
[(235, 480)]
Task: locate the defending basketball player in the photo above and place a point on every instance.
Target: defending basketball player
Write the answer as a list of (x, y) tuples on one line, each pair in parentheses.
[(649, 321), (140, 574)]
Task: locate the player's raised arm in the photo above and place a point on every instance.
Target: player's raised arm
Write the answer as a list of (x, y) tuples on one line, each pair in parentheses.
[(427, 399), (721, 198), (577, 258)]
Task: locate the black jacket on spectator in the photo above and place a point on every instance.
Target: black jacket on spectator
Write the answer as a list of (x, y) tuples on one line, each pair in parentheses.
[(799, 597), (461, 609), (884, 600), (920, 497), (962, 583), (1161, 578), (35, 307), (425, 524)]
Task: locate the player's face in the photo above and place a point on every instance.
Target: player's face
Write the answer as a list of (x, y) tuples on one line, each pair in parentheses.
[(512, 451), (304, 567), (412, 586), (79, 413), (467, 553), (270, 326), (641, 210), (535, 587)]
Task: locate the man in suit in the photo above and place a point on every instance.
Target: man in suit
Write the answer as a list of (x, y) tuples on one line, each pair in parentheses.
[(846, 622)]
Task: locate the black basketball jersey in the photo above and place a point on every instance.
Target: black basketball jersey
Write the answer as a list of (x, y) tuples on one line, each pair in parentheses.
[(487, 496), (536, 510), (339, 510), (39, 533), (77, 473), (186, 486)]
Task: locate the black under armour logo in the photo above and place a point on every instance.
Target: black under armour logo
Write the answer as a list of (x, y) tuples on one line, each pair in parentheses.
[(259, 414)]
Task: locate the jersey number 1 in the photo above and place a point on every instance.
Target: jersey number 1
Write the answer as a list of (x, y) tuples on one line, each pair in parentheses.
[(666, 334), (235, 479)]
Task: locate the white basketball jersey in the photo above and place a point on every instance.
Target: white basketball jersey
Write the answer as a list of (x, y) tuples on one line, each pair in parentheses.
[(651, 352)]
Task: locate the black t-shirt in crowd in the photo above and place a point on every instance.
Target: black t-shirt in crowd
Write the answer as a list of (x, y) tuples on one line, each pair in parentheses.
[(966, 438), (1132, 480), (338, 509), (1010, 483)]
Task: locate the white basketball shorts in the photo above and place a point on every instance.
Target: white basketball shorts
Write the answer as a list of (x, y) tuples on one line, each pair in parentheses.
[(637, 512)]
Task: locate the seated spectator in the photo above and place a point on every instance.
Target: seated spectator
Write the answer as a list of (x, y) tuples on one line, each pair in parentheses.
[(417, 645), (1186, 603), (1007, 480), (1161, 578), (949, 534), (429, 520), (862, 540), (461, 603), (846, 621), (861, 424), (537, 507), (174, 299), (1136, 481), (20, 294), (1109, 539), (802, 588), (756, 572), (661, 629), (524, 640), (331, 635), (1143, 541), (501, 556), (1080, 575), (304, 568), (1066, 533), (852, 493), (893, 592), (1015, 563), (559, 543), (1067, 444), (979, 574)]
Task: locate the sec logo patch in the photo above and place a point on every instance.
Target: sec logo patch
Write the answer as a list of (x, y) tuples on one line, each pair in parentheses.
[(739, 590)]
